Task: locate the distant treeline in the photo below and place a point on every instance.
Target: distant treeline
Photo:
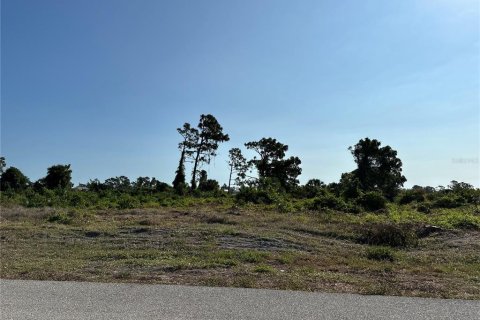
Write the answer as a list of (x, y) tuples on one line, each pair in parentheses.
[(270, 178)]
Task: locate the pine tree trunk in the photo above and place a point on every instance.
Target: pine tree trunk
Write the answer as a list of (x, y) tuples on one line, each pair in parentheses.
[(194, 173), (230, 177)]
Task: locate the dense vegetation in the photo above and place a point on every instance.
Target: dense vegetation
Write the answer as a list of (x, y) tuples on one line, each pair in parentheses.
[(270, 178)]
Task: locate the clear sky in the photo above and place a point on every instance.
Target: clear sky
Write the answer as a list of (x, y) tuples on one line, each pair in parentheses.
[(103, 85)]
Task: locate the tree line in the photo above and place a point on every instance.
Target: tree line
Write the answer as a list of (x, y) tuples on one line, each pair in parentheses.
[(377, 178), (378, 168)]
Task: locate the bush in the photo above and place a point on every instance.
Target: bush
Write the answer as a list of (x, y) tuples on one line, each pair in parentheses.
[(128, 202), (209, 185), (380, 254), (254, 196), (372, 201), (424, 208), (328, 201), (466, 222), (389, 234), (449, 201), (410, 196), (60, 217)]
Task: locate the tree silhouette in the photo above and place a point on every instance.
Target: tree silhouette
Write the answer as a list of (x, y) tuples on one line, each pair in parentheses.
[(272, 164), (378, 168), (205, 141), (190, 136), (58, 176), (13, 179), (238, 166)]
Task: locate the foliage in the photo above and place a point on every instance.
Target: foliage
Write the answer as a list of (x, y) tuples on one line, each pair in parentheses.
[(189, 135), (412, 195), (126, 201), (3, 165), (349, 186), (121, 184), (207, 185), (254, 195), (372, 201), (448, 201), (238, 165), (328, 201), (60, 217), (13, 179), (380, 254), (58, 176), (378, 168), (272, 164), (389, 234), (203, 142), (313, 188)]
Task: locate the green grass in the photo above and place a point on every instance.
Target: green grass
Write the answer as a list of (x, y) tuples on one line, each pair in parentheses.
[(255, 246)]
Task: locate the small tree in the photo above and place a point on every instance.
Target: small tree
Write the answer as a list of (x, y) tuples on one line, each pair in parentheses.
[(313, 188), (272, 164), (238, 166), (58, 176), (203, 178), (189, 136), (205, 184), (349, 186), (13, 179), (203, 143)]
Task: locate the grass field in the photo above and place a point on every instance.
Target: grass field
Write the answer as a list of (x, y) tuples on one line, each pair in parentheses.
[(250, 246)]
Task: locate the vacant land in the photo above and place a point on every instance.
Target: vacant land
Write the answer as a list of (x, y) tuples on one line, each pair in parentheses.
[(251, 246)]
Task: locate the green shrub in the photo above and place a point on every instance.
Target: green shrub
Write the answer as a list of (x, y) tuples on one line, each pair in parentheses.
[(372, 201), (284, 206), (380, 254), (255, 196), (328, 201), (389, 234), (209, 185), (409, 196), (449, 201), (466, 222), (126, 201), (424, 208), (60, 217), (353, 208), (34, 200)]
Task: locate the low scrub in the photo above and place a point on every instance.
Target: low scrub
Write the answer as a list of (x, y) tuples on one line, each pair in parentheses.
[(372, 201), (389, 234), (449, 201), (60, 217), (328, 201), (254, 196), (380, 254)]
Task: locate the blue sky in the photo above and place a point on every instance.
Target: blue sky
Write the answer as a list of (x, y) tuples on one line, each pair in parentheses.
[(103, 85)]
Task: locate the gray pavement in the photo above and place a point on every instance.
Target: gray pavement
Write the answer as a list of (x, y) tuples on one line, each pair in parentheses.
[(42, 300)]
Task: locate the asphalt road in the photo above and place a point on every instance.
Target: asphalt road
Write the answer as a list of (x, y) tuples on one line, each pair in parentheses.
[(42, 300)]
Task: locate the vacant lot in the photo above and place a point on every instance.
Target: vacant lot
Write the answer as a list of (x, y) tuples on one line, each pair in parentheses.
[(244, 247)]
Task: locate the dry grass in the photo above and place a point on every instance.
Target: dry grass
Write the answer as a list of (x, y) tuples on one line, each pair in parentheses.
[(247, 247)]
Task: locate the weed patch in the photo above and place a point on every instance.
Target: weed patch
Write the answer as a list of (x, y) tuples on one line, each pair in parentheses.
[(380, 254), (389, 234)]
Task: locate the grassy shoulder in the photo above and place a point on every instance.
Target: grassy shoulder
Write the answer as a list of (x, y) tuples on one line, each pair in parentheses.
[(398, 251)]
